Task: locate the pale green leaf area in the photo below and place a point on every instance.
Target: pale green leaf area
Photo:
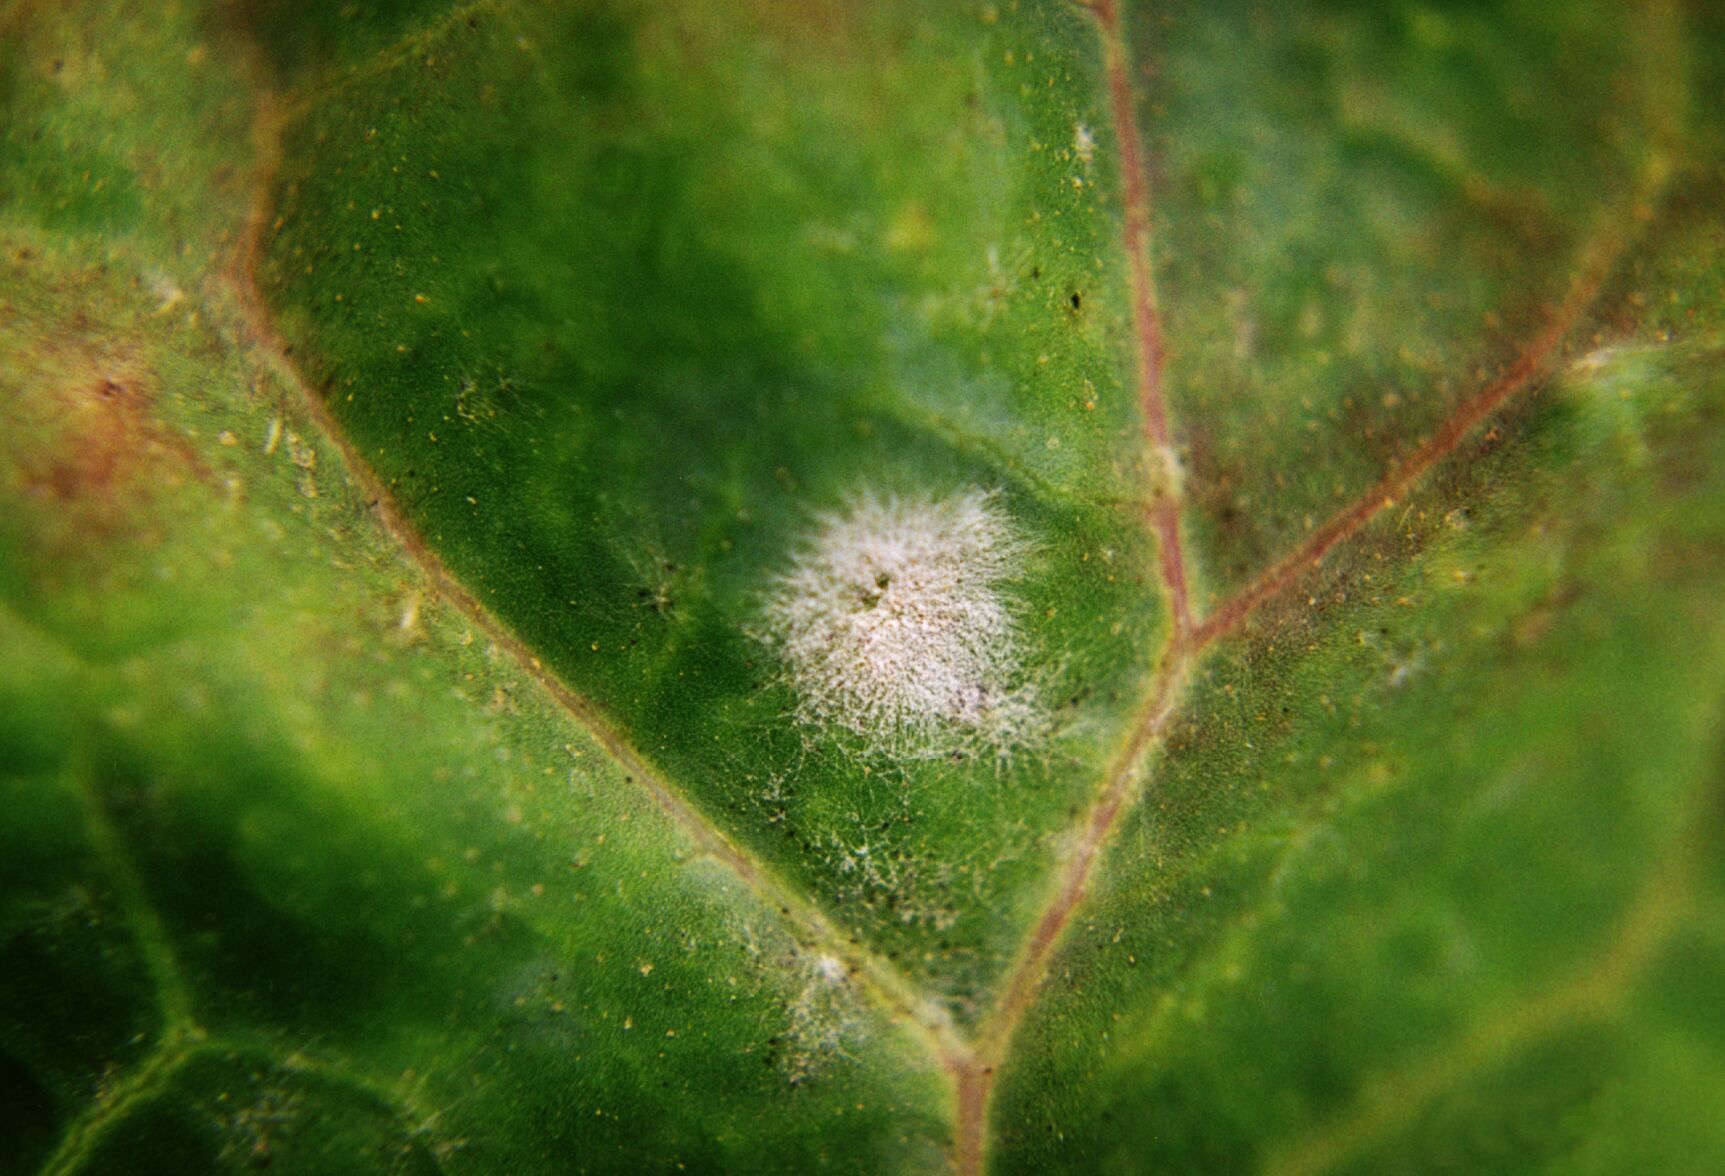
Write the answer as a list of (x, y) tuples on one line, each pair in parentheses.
[(413, 413)]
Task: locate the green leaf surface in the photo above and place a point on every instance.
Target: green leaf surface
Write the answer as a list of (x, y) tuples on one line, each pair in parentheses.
[(448, 453), (741, 278)]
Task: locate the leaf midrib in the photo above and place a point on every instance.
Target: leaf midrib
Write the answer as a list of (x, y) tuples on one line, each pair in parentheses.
[(1190, 638)]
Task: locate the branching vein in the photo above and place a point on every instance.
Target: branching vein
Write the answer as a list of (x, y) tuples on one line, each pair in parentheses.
[(1191, 637), (971, 1064)]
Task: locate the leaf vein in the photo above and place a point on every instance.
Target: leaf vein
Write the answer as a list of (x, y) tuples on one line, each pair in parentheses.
[(885, 983)]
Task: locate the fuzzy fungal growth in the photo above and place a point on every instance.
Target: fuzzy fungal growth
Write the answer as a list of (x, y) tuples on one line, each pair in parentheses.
[(893, 623)]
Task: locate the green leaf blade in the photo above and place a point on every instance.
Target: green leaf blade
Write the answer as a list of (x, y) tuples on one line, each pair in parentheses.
[(1379, 875), (415, 419), (642, 356)]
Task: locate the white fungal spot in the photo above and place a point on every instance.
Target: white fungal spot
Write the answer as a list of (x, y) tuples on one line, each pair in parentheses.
[(894, 625), (168, 293), (822, 1020), (1083, 144)]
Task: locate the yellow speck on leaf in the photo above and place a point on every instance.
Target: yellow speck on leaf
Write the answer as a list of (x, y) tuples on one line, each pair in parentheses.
[(911, 230)]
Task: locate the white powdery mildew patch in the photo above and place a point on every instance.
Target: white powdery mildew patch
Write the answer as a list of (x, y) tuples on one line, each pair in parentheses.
[(894, 624), (823, 1018)]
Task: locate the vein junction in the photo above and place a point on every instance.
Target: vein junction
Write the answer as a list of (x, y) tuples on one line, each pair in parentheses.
[(889, 583)]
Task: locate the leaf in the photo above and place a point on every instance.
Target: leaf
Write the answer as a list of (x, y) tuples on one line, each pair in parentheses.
[(688, 325), (1262, 464)]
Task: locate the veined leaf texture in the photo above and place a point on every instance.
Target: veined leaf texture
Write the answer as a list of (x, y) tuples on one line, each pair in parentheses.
[(728, 585)]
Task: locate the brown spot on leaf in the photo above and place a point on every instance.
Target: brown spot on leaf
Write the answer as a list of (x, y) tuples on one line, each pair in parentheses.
[(100, 456)]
